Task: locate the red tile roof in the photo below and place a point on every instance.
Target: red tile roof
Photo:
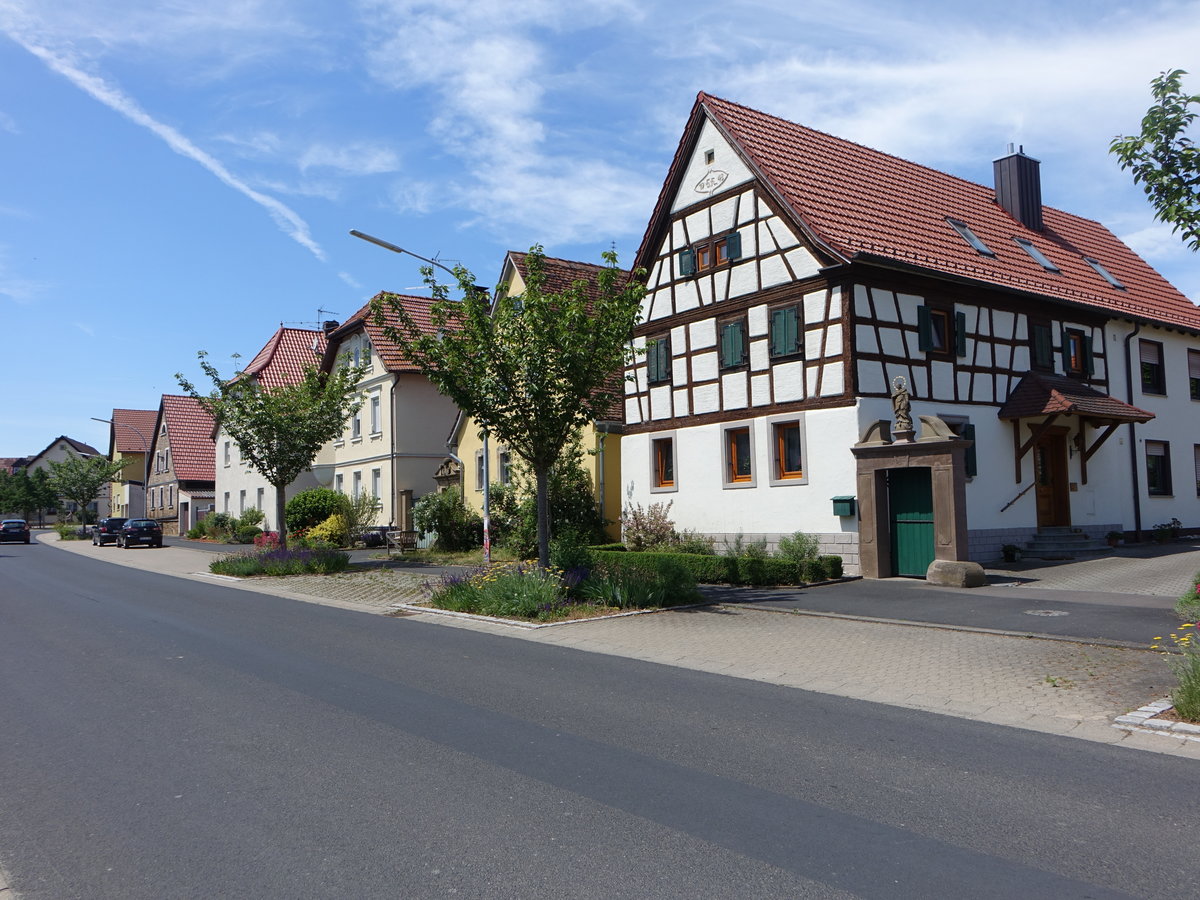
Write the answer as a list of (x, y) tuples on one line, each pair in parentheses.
[(1040, 394), (132, 430), (189, 430), (286, 355), (393, 359), (862, 204)]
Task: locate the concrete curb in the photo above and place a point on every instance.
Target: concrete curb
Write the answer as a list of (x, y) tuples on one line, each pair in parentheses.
[(1143, 720)]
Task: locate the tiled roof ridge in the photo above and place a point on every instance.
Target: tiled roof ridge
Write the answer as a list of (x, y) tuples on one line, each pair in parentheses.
[(571, 262), (874, 150)]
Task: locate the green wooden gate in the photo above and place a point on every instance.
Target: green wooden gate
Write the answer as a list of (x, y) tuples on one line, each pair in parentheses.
[(910, 500)]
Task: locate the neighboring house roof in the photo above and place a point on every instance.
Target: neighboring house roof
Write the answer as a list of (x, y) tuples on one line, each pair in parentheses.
[(10, 464), (1042, 394), (393, 359), (78, 447), (189, 430), (861, 204), (286, 355), (132, 430)]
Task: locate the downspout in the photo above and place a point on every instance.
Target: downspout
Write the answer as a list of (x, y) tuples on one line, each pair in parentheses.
[(392, 439), (1133, 460), (600, 474)]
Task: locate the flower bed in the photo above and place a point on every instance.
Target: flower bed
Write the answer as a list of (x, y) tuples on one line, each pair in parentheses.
[(281, 562)]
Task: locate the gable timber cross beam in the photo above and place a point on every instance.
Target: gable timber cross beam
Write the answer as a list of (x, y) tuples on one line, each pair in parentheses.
[(1036, 431)]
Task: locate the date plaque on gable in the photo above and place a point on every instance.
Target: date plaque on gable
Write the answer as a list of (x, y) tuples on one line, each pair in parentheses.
[(711, 181)]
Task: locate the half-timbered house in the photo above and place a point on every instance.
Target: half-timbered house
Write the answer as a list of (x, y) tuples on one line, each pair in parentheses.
[(807, 295)]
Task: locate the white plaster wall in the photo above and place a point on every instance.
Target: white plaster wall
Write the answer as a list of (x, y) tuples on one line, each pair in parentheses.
[(239, 476), (725, 160), (703, 503)]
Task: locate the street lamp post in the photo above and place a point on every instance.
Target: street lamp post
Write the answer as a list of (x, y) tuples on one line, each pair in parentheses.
[(145, 450), (487, 537)]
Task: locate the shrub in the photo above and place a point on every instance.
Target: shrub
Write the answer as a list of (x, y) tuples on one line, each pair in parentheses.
[(740, 548), (665, 583), (572, 505), (716, 569), (334, 531), (219, 525), (691, 541), (267, 540), (251, 516), (644, 529), (799, 547), (312, 507), (66, 531), (247, 533), (360, 513), (196, 531), (833, 566), (618, 548), (569, 550), (1187, 607), (457, 527)]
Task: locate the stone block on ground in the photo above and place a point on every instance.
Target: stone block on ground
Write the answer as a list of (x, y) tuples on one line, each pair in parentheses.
[(955, 573)]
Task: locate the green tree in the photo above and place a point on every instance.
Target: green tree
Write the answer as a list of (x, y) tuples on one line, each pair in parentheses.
[(27, 493), (532, 368), (80, 479), (280, 429), (1164, 160)]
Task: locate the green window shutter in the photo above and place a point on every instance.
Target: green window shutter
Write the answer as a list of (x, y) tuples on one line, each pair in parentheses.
[(1089, 366), (779, 345), (924, 329), (687, 262), (1066, 352), (733, 245), (739, 337), (971, 459), (960, 334), (725, 351), (794, 329), (1042, 351)]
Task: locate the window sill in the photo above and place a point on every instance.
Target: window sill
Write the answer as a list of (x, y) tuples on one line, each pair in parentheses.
[(356, 440), (738, 485), (664, 488)]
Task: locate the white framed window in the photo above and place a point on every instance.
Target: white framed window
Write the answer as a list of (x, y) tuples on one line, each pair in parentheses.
[(241, 502), (356, 484), (356, 425), (375, 423), (504, 466), (337, 483), (479, 470), (227, 453), (258, 498), (225, 508), (663, 477), (737, 456), (376, 477)]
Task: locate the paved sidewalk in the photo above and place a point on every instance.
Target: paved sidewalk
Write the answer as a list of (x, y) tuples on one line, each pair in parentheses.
[(1055, 686)]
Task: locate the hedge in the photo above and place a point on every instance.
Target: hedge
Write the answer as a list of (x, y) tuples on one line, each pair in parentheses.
[(728, 570)]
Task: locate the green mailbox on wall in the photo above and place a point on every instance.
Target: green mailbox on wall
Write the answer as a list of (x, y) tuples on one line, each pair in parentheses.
[(843, 506)]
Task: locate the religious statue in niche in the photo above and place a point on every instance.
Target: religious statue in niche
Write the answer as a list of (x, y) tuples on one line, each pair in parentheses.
[(901, 409)]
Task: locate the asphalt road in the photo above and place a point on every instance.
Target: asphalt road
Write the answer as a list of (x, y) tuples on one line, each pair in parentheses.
[(163, 738)]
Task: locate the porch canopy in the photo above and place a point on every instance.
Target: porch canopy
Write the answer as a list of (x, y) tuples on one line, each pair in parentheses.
[(1041, 394)]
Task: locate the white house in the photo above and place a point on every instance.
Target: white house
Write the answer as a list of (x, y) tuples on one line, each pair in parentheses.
[(282, 361), (796, 280), (393, 445)]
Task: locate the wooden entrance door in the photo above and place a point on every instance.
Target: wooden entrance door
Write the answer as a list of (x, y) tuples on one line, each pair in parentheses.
[(1050, 473), (910, 503)]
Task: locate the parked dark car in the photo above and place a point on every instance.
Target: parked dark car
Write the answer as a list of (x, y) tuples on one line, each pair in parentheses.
[(107, 530), (14, 530), (140, 531)]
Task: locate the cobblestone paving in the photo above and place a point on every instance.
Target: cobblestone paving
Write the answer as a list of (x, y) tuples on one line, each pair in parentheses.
[(377, 589), (1168, 573)]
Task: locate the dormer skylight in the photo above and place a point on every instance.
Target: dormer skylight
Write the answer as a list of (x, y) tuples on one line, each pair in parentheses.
[(1104, 273), (1038, 256), (970, 237)]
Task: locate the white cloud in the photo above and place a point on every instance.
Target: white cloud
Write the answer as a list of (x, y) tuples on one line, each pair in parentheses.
[(85, 328), (355, 158), (8, 123), (287, 219), (349, 279)]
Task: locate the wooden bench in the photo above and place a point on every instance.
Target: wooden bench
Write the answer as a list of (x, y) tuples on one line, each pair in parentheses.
[(401, 540)]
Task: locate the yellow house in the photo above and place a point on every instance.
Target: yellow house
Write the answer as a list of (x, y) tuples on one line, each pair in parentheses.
[(129, 435), (600, 440)]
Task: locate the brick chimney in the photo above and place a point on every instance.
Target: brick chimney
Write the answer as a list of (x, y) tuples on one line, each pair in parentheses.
[(1019, 187), (329, 326)]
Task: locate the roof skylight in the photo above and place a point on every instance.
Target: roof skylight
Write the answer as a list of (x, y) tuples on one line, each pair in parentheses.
[(1038, 256), (1104, 273), (970, 237)]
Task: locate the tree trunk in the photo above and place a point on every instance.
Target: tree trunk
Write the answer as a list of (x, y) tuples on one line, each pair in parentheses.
[(280, 517), (543, 514)]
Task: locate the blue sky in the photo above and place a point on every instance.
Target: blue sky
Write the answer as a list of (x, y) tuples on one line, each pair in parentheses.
[(181, 176)]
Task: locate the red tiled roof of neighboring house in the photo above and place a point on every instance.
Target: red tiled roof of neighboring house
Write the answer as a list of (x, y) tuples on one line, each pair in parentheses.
[(391, 355), (1041, 394), (862, 204), (189, 430), (286, 355), (10, 464), (132, 430)]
